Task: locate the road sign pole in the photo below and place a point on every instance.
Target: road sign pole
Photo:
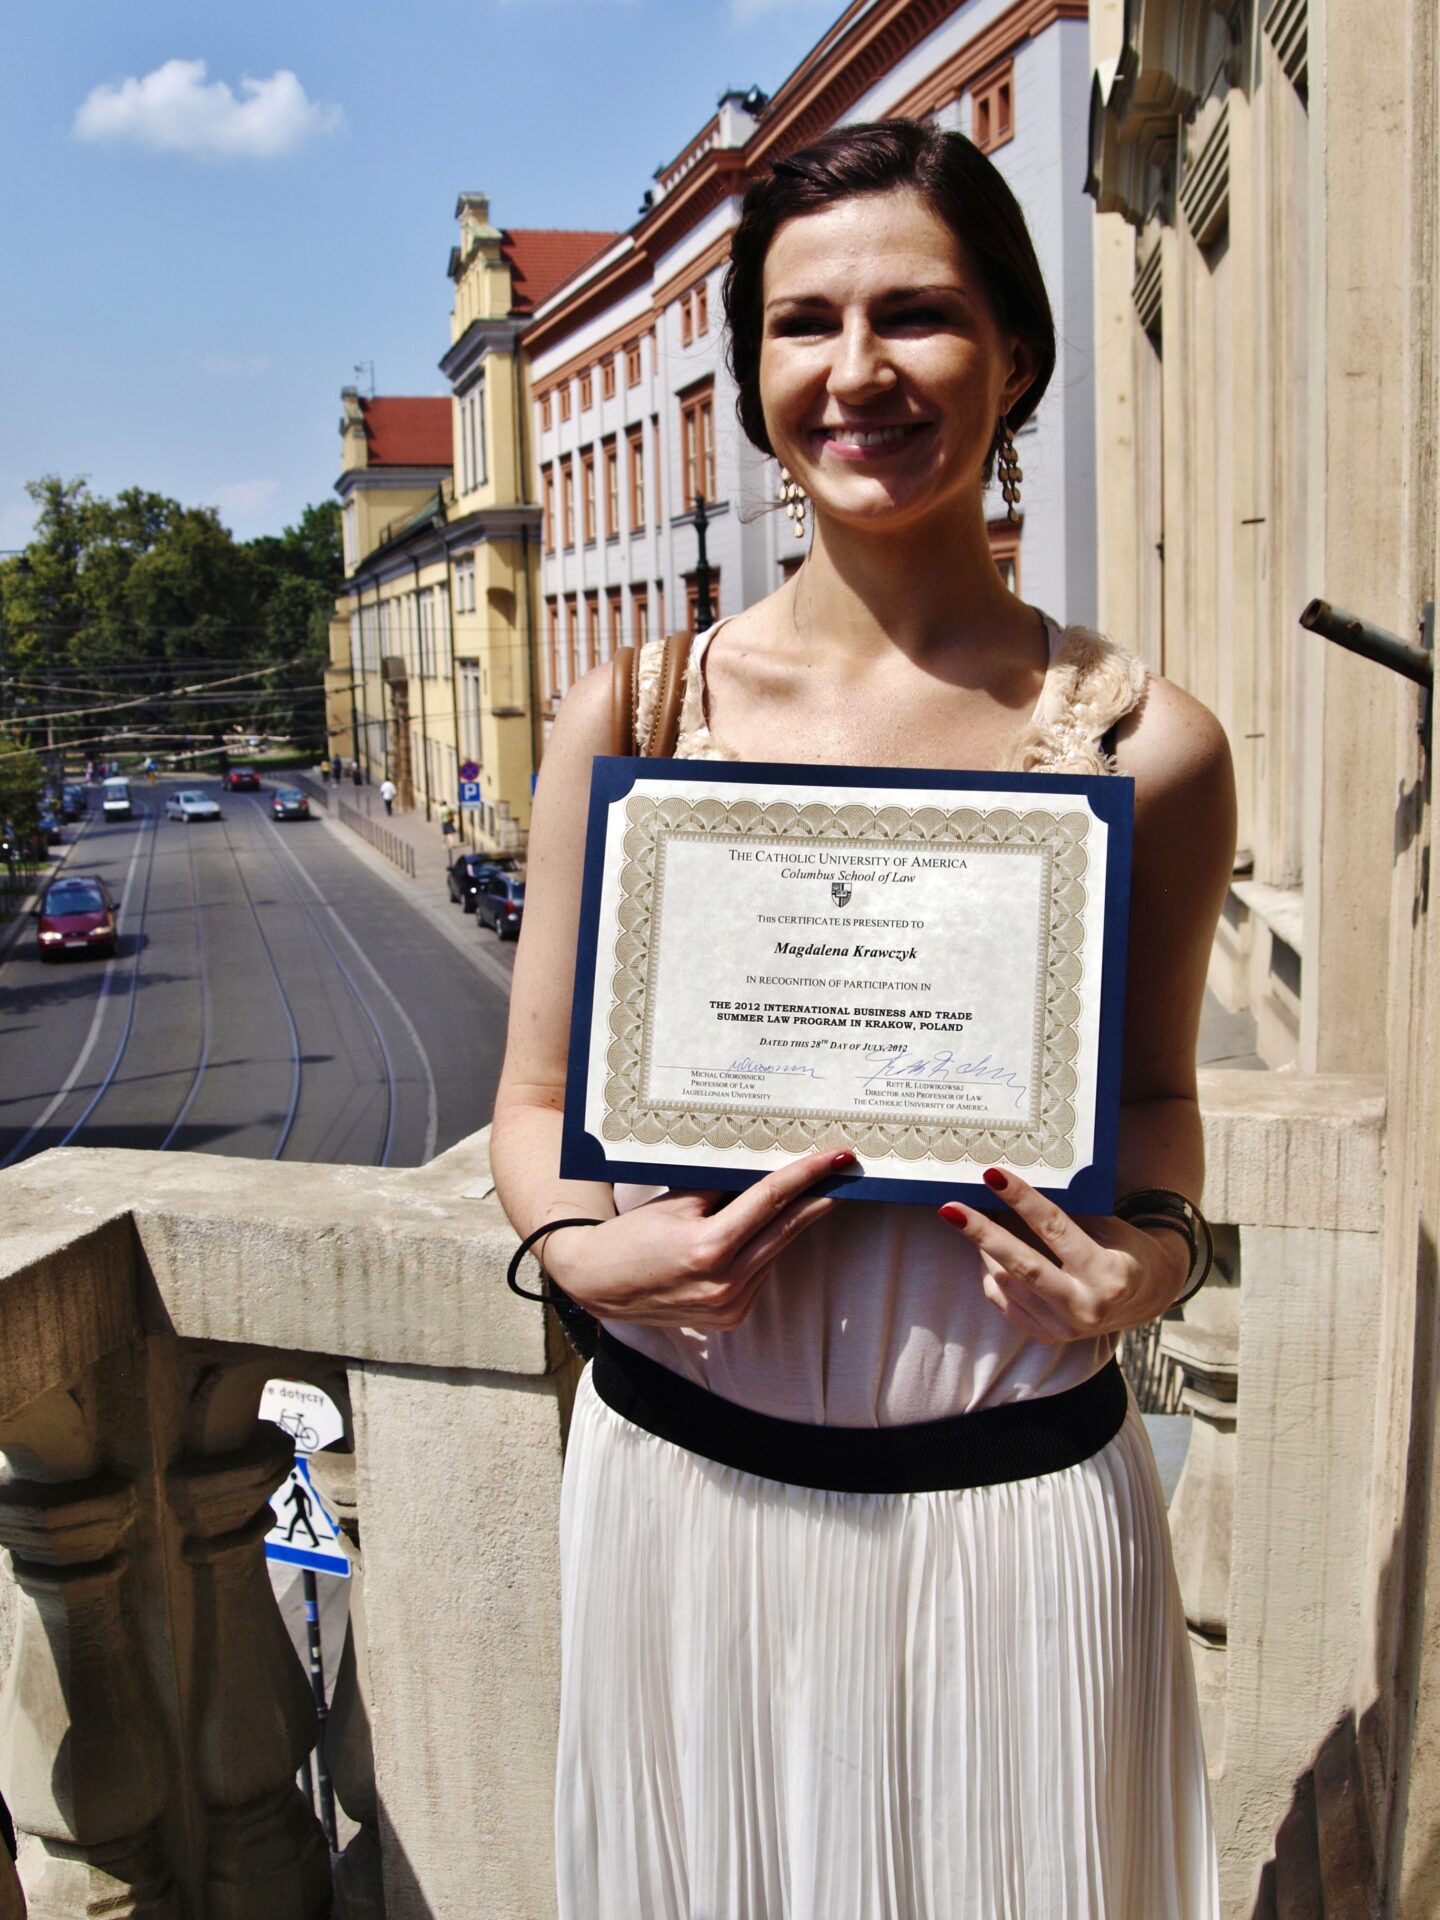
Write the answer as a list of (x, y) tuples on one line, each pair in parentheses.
[(322, 1712)]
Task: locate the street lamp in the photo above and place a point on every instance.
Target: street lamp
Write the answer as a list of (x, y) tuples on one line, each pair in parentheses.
[(704, 613)]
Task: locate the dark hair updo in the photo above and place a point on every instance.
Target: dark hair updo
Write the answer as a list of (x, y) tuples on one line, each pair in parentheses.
[(952, 176)]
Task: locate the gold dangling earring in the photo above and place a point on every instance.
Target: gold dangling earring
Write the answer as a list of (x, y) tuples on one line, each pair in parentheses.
[(793, 499), (1008, 464)]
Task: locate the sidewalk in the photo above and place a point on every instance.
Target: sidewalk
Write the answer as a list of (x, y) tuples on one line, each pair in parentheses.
[(408, 852)]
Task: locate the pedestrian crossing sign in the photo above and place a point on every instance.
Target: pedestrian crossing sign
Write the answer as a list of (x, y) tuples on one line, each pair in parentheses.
[(304, 1534)]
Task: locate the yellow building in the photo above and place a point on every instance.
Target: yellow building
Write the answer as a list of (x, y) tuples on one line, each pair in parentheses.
[(432, 654)]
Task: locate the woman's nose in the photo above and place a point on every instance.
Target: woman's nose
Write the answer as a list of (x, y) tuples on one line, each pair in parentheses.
[(861, 367)]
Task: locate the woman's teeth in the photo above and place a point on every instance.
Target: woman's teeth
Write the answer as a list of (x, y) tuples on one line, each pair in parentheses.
[(875, 437)]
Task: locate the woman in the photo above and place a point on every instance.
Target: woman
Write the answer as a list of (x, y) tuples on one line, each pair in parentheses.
[(787, 1700)]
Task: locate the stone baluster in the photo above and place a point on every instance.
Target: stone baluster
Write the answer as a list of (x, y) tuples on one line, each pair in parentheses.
[(252, 1719), (349, 1749), (82, 1742), (12, 1901), (1205, 1345)]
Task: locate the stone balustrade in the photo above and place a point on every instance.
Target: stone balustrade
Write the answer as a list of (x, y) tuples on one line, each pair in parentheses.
[(153, 1714)]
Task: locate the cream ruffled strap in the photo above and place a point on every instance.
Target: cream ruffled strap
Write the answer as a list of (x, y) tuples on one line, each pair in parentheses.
[(1091, 685)]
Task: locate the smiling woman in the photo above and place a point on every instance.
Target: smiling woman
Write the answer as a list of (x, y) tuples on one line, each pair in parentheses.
[(868, 1602)]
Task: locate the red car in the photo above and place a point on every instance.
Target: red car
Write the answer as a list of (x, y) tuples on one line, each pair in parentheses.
[(243, 780), (76, 915)]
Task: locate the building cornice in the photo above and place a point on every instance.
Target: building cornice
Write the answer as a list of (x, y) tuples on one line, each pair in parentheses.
[(479, 338), (382, 479)]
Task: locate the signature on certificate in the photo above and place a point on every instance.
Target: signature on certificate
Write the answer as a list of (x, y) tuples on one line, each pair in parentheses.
[(944, 1065), (790, 1068)]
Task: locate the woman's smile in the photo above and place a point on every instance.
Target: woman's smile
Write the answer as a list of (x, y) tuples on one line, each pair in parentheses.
[(865, 445)]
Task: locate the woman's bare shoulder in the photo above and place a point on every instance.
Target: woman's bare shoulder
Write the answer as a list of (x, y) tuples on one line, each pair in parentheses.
[(1170, 732)]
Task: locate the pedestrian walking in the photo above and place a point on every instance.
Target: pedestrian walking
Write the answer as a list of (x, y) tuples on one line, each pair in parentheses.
[(325, 770), (447, 831), (970, 1693), (387, 793), (356, 777)]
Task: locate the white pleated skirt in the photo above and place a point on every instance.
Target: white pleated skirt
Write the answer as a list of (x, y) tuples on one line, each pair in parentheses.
[(783, 1704)]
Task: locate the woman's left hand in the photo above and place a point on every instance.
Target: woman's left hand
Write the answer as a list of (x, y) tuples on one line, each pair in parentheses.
[(1088, 1276)]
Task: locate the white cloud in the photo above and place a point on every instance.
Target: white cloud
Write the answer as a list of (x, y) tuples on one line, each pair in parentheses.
[(242, 499), (236, 366), (175, 110)]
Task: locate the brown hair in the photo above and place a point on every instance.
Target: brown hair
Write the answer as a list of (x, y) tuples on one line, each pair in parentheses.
[(951, 175)]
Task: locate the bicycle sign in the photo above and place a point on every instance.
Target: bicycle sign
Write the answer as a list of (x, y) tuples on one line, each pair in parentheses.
[(310, 1417)]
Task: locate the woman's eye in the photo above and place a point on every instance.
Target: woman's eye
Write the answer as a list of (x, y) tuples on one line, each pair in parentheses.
[(917, 317), (802, 325)]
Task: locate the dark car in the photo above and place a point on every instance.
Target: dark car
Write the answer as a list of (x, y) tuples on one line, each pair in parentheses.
[(469, 873), (242, 780), (74, 801), (500, 903), (289, 804), (76, 914), (49, 824)]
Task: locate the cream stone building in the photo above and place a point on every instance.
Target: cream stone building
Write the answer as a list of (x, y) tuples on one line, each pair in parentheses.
[(432, 653), (1267, 183)]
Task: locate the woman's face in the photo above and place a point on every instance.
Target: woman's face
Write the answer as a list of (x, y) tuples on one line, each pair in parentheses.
[(883, 372)]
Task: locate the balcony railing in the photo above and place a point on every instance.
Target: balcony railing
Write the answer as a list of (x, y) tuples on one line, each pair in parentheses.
[(154, 1715)]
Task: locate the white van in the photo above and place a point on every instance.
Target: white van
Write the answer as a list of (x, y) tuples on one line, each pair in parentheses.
[(115, 803)]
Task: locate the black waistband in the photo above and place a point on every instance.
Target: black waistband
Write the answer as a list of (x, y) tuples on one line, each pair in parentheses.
[(1016, 1441)]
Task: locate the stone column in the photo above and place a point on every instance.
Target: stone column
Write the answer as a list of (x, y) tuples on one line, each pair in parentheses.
[(82, 1748)]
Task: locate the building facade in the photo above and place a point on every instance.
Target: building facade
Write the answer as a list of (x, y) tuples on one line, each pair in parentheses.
[(433, 643), (1267, 183), (633, 408)]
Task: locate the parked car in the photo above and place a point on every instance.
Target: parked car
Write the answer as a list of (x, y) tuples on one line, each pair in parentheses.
[(188, 805), (469, 873), (75, 914), (115, 799), (242, 780), (49, 824), (74, 801), (500, 903), (289, 804)]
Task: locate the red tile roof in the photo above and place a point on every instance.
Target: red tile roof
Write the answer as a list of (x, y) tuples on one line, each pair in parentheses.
[(407, 432), (542, 259)]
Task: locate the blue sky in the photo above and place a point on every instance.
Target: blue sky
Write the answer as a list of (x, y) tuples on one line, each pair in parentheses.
[(212, 212)]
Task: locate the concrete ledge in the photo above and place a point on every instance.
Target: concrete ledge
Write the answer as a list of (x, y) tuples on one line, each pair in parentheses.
[(1293, 1149)]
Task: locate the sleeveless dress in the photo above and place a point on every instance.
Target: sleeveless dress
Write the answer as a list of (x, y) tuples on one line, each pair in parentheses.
[(779, 1703)]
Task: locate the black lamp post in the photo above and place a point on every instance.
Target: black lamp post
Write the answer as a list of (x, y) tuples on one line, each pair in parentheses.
[(704, 613)]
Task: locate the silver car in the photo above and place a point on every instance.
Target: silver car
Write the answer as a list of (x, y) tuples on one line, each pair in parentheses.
[(188, 806)]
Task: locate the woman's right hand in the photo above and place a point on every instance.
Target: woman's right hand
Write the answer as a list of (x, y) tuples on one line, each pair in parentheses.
[(691, 1259)]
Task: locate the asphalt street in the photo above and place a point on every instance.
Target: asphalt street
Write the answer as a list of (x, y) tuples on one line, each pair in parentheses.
[(272, 995)]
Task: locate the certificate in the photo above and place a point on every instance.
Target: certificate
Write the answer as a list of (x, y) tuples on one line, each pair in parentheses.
[(927, 968)]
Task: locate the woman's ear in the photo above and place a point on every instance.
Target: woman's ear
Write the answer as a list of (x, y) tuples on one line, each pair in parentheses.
[(1023, 368)]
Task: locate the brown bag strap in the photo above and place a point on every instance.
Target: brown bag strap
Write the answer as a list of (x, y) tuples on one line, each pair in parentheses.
[(664, 730)]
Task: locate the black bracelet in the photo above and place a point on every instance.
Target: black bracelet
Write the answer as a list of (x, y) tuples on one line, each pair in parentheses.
[(1164, 1207), (512, 1273)]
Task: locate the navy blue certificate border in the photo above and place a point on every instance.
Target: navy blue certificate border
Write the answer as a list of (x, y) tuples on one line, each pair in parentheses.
[(1112, 796)]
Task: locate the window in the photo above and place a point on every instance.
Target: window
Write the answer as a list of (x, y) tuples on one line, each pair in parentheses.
[(547, 504), (692, 599), (697, 445), (565, 401), (632, 364), (552, 647), (992, 115), (468, 694), (587, 494), (471, 409), (544, 413), (640, 615), (1005, 550), (615, 619), (592, 630), (567, 503), (660, 628), (587, 389), (610, 455), (465, 584), (702, 307), (687, 321), (352, 541), (572, 641), (635, 444), (607, 378)]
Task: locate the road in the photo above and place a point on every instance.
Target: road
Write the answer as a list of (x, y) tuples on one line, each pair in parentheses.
[(272, 996)]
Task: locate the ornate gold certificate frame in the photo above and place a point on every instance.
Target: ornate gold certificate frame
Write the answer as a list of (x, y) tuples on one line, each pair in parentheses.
[(1058, 838)]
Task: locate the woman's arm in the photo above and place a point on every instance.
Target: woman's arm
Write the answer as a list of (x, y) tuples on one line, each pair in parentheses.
[(686, 1259), (1069, 1278)]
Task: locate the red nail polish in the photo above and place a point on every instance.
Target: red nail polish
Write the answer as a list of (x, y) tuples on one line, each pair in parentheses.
[(843, 1159), (957, 1216), (994, 1178)]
